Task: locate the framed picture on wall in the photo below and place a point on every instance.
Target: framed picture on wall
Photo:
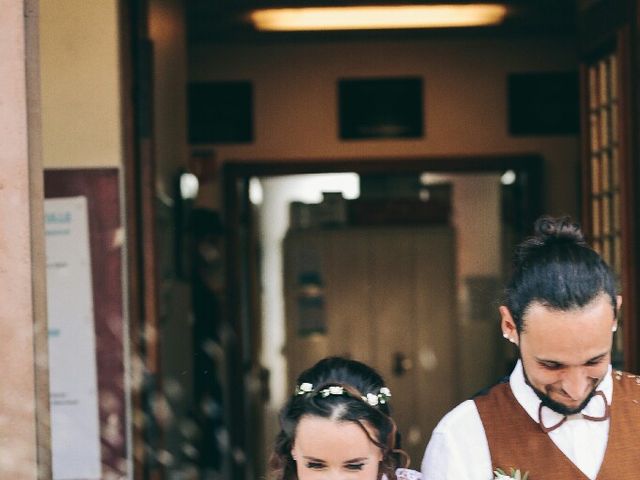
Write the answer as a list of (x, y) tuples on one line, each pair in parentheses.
[(544, 103), (380, 108), (220, 112)]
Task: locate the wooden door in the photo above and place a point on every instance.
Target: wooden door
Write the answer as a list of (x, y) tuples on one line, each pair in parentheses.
[(608, 33), (385, 296)]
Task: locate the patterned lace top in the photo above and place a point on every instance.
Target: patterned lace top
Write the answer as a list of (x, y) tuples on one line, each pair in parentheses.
[(406, 474)]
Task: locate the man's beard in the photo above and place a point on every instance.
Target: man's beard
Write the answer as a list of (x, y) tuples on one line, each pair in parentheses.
[(557, 406)]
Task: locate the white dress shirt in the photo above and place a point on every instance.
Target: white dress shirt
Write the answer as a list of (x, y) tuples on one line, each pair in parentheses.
[(458, 447)]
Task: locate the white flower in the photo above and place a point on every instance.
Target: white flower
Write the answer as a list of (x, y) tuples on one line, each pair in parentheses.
[(514, 475), (306, 387), (335, 390), (372, 399), (499, 476)]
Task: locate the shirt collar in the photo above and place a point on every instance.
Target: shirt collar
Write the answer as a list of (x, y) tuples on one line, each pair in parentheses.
[(528, 399)]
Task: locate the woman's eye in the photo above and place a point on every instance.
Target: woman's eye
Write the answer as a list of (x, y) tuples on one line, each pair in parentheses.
[(355, 466), (314, 465)]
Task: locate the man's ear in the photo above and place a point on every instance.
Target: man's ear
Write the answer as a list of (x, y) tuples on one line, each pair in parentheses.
[(508, 325), (614, 327)]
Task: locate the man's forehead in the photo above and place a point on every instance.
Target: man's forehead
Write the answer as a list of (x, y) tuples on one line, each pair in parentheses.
[(541, 306), (573, 358)]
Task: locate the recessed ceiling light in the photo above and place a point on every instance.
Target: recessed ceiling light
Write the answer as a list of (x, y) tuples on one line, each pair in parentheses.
[(377, 17)]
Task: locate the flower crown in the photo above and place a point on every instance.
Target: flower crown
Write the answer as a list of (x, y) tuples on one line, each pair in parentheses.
[(372, 399)]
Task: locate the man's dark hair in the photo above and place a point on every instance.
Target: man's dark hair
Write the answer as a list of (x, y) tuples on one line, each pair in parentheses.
[(558, 269)]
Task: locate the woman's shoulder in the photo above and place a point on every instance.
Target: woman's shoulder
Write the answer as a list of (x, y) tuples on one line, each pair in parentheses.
[(406, 474)]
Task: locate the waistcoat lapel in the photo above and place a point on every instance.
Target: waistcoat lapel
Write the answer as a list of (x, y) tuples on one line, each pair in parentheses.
[(516, 440), (622, 457)]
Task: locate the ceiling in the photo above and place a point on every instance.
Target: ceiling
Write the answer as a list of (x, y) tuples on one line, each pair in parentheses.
[(221, 21)]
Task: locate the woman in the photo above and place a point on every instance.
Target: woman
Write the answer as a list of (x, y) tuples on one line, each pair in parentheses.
[(337, 426)]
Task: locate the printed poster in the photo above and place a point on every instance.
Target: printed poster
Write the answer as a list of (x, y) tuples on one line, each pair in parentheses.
[(75, 426)]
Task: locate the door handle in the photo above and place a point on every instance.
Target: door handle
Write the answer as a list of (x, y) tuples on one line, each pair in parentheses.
[(401, 364)]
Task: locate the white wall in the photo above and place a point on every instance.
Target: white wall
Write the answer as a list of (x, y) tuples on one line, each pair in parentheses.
[(465, 99), (278, 193)]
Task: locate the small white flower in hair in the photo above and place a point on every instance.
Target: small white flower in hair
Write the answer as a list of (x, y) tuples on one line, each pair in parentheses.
[(372, 399), (336, 390), (304, 388)]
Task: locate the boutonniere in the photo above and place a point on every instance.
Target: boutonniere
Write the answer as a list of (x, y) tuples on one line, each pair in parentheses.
[(513, 475)]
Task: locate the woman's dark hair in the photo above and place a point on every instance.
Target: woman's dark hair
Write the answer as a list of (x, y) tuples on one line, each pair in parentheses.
[(558, 269), (357, 380)]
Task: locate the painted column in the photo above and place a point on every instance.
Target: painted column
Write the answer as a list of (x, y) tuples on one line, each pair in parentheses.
[(24, 392)]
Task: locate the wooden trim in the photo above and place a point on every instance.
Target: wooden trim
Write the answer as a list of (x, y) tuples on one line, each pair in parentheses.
[(38, 256), (133, 262), (140, 197), (634, 173), (605, 26), (598, 24), (585, 147), (466, 163), (629, 200), (236, 367), (629, 120)]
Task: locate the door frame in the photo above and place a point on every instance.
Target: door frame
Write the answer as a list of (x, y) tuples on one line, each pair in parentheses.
[(613, 27), (241, 277)]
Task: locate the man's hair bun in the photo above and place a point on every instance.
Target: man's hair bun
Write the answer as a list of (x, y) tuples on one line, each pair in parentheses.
[(548, 228)]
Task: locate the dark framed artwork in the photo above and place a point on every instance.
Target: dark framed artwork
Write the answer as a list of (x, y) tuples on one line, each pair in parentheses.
[(546, 103), (380, 108), (220, 112)]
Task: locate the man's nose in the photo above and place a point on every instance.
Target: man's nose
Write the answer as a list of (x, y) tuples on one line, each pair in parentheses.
[(576, 383)]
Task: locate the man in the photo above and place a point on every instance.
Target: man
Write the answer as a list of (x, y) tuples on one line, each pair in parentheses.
[(563, 413)]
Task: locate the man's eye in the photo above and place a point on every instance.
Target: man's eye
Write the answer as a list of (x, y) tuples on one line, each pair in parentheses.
[(355, 466), (593, 363), (314, 465), (551, 366)]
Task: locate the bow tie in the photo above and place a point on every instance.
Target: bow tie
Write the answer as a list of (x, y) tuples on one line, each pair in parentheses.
[(605, 416)]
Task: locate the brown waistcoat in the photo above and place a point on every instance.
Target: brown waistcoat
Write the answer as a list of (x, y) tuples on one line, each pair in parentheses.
[(516, 440)]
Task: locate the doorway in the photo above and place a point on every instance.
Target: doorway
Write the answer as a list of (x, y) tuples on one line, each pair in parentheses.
[(405, 291)]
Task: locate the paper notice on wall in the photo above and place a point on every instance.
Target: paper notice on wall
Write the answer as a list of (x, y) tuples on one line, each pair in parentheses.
[(75, 426)]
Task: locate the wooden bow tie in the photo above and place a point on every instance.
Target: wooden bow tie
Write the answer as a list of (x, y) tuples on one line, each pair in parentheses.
[(605, 416)]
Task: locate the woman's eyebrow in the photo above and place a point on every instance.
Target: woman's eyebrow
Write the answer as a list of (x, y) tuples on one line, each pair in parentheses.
[(354, 460), (313, 459)]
